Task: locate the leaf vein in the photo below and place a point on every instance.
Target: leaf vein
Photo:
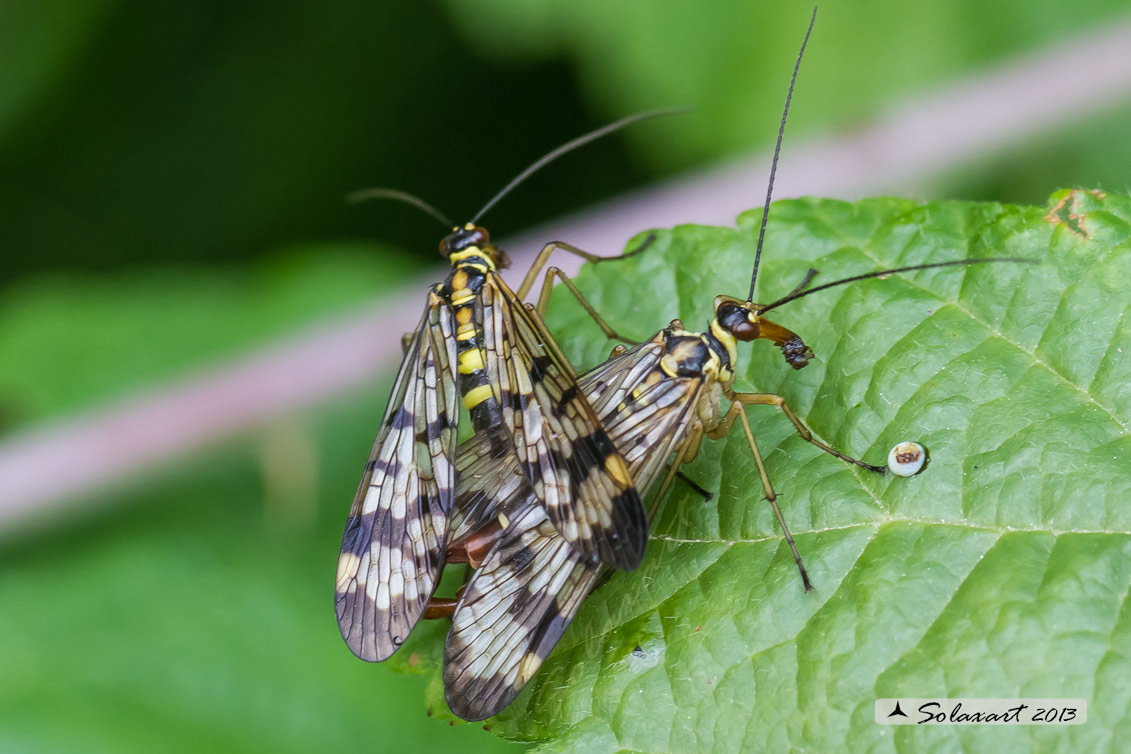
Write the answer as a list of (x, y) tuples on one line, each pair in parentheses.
[(1003, 529), (998, 333)]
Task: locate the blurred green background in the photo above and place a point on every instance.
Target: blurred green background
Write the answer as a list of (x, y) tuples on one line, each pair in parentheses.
[(171, 194)]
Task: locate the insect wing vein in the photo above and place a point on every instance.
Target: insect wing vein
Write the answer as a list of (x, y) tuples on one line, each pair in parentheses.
[(511, 614), (531, 584), (489, 478), (394, 538), (575, 470)]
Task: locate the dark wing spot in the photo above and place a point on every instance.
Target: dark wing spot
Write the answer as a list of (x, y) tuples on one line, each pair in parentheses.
[(569, 395), (521, 558), (402, 420), (540, 366), (600, 442)]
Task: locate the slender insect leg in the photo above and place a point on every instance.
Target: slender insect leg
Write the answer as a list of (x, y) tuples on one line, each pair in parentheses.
[(544, 301), (707, 495), (473, 548), (681, 455), (769, 399), (550, 248), (548, 340), (602, 579), (771, 496), (440, 607), (444, 607)]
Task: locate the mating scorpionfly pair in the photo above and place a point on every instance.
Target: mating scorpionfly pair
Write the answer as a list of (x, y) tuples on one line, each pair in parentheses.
[(547, 494)]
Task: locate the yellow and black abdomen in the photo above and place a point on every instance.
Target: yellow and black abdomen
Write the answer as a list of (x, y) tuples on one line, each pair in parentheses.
[(463, 291)]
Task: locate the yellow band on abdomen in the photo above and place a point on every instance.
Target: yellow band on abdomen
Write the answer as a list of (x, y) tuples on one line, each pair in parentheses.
[(476, 396), (471, 361)]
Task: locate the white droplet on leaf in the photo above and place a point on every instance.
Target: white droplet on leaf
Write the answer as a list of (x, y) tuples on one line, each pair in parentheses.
[(907, 459)]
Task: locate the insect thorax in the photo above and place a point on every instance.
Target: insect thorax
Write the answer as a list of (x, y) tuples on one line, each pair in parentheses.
[(471, 244)]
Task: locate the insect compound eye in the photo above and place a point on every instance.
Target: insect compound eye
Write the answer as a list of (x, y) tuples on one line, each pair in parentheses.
[(907, 459), (735, 319), (447, 243), (478, 236), (464, 238)]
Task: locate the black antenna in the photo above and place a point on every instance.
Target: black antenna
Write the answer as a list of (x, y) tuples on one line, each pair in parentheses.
[(798, 293), (569, 146), (777, 151), (400, 196)]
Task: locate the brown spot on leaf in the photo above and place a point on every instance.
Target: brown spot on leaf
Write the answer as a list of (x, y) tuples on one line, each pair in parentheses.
[(1067, 212), (413, 660)]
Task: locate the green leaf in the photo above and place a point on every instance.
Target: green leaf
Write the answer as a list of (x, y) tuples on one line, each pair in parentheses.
[(1002, 570)]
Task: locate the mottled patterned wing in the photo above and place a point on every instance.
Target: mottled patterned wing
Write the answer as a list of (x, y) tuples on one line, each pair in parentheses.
[(489, 479), (529, 587), (393, 546), (512, 614), (574, 469)]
